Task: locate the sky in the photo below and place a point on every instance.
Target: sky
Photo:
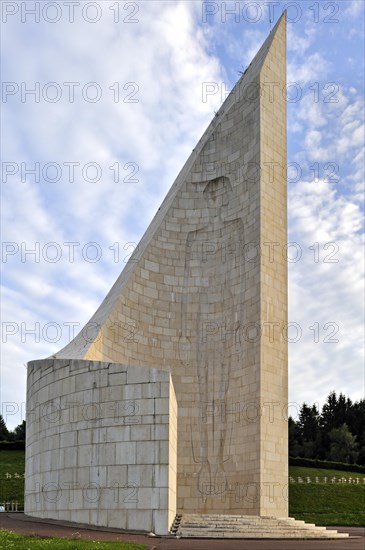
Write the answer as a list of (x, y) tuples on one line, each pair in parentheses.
[(102, 103)]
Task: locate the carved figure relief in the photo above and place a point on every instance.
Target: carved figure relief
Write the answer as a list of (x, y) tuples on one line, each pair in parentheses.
[(211, 318)]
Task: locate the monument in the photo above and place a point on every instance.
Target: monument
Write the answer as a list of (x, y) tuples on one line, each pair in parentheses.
[(172, 400)]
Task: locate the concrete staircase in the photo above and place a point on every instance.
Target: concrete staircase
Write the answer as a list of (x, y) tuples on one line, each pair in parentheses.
[(248, 527)]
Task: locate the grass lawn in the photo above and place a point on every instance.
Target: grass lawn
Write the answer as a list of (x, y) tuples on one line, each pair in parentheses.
[(327, 503), (12, 462), (10, 540)]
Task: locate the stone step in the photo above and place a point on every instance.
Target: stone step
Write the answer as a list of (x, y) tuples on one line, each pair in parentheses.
[(246, 526), (239, 519), (260, 535), (221, 526), (255, 527)]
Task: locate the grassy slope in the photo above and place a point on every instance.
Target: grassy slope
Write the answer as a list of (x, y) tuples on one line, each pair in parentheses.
[(326, 504), (20, 542), (12, 462)]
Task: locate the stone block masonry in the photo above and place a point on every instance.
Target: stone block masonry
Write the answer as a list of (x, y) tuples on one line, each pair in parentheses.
[(101, 446)]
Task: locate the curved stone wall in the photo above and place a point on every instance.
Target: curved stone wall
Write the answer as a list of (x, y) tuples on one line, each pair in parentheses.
[(101, 444)]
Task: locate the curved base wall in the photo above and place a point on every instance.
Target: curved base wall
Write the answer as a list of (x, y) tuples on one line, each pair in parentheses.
[(101, 444)]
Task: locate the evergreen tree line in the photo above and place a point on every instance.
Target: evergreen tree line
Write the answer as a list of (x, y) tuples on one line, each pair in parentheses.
[(337, 433), (18, 434)]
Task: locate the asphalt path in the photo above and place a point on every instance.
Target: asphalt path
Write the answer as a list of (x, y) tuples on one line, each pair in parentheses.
[(20, 523)]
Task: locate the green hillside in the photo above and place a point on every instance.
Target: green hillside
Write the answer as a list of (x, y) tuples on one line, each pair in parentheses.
[(328, 501), (12, 464), (20, 542)]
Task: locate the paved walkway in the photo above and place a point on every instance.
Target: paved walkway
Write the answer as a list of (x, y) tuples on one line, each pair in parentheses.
[(20, 523)]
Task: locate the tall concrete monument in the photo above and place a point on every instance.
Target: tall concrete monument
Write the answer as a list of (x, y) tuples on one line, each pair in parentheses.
[(172, 400)]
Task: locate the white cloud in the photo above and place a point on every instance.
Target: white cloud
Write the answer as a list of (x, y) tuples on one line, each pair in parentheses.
[(298, 43), (333, 132), (311, 112), (354, 8), (325, 292), (315, 68), (325, 219)]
